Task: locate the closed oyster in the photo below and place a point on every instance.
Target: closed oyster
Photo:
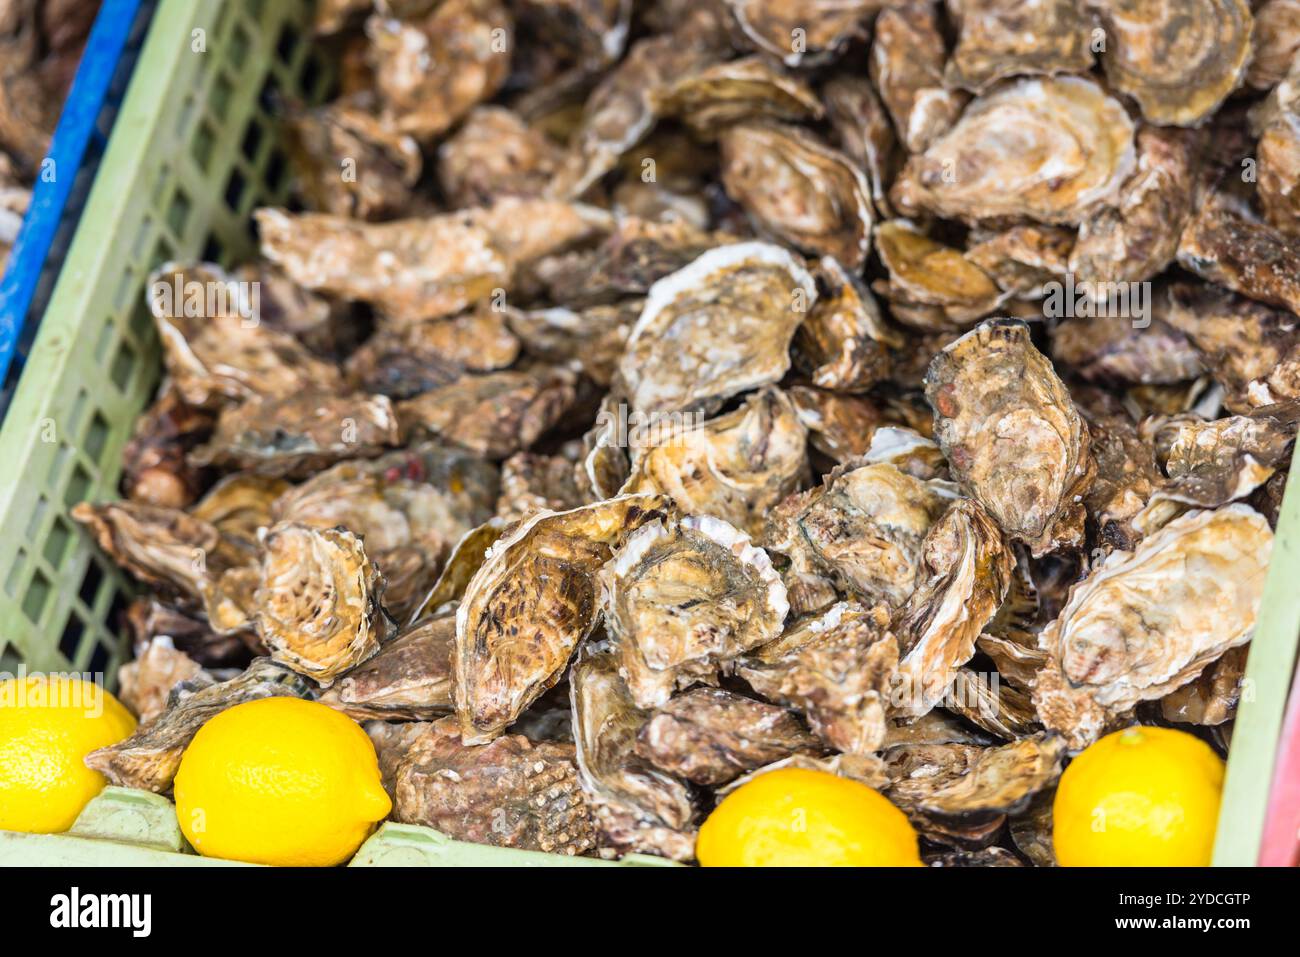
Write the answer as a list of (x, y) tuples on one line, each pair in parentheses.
[(1137, 237), (1022, 260), (798, 190), (681, 600), (961, 781), (1277, 123), (409, 679), (1147, 622), (1122, 349), (145, 683), (154, 466), (1212, 463), (801, 32), (1127, 476), (465, 560), (720, 326), (530, 604), (907, 63), (494, 154), (510, 793), (1002, 38), (215, 346), (532, 482), (149, 758), (964, 576), (162, 547), (710, 736), (837, 669), (300, 434), (860, 531), (237, 506), (844, 343), (840, 426), (981, 699), (951, 291), (1073, 149), (318, 601), (413, 269), (1276, 40), (590, 341), (863, 131), (735, 467), (1179, 60), (638, 807), (750, 88), (1012, 435), (493, 415), (1211, 698)]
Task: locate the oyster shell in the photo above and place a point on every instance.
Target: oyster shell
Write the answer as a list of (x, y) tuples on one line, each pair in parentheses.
[(1073, 149), (408, 679), (735, 467), (682, 599), (840, 426), (145, 683), (149, 758), (965, 574), (1212, 463), (801, 32), (749, 88), (844, 343), (1179, 60), (154, 466), (1127, 476), (710, 736), (1277, 123), (864, 132), (907, 64), (960, 781), (1120, 349), (1211, 698), (530, 604), (510, 793), (1004, 38), (494, 154), (924, 273), (465, 559), (798, 190), (837, 669), (318, 600), (237, 506), (1007, 712), (590, 341), (720, 326), (531, 482), (638, 807), (1022, 260), (162, 547), (1012, 435), (1147, 622), (1276, 39)]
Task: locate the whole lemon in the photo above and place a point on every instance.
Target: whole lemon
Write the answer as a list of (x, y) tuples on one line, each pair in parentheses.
[(280, 781), (802, 818), (1139, 797), (48, 724)]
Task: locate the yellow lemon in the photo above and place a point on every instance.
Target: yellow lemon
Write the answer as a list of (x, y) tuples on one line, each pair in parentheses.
[(1139, 797), (48, 724), (801, 818), (280, 781)]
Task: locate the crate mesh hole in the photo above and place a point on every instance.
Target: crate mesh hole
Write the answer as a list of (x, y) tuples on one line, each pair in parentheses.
[(178, 212), (79, 485), (251, 141), (276, 168), (124, 364), (90, 583), (235, 189), (287, 44), (212, 250), (240, 44), (37, 596), (13, 579), (222, 92), (203, 145), (70, 640), (97, 432), (57, 541)]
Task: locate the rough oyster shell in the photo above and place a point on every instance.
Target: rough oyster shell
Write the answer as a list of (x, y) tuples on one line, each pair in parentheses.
[(318, 607), (465, 560), (1212, 463), (1120, 349), (710, 736), (532, 482), (409, 679), (720, 326), (494, 154), (590, 341), (1144, 623), (925, 273), (1276, 39), (837, 669), (1178, 58), (145, 683), (864, 132), (750, 88), (798, 190), (530, 604), (840, 426), (162, 547), (1050, 149), (1012, 435), (1003, 38), (154, 466), (844, 343), (1277, 122), (680, 600), (1023, 259), (907, 63), (1210, 698), (800, 32)]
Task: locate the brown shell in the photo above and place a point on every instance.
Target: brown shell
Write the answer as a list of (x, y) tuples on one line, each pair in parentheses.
[(960, 781), (590, 340), (864, 132), (154, 466), (162, 547), (840, 426), (907, 64), (1211, 698), (144, 684), (925, 273), (409, 679), (1277, 122), (1125, 349), (800, 32), (494, 154), (1002, 38), (1276, 39), (749, 88)]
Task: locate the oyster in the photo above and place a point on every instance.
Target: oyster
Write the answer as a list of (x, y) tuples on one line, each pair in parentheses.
[(494, 154), (864, 768), (720, 326), (710, 736), (840, 426), (735, 467), (932, 286), (960, 781), (493, 415), (408, 679), (510, 793), (1276, 40), (1147, 622), (1127, 476), (1120, 349), (465, 559), (154, 466), (1277, 122), (300, 434), (161, 547), (638, 807), (1073, 149), (145, 683), (907, 63), (1212, 463), (844, 343), (530, 604), (984, 857), (801, 32), (318, 600), (1012, 435), (1179, 60), (1007, 712), (590, 341), (149, 758), (237, 506), (147, 619), (863, 131), (531, 482), (1003, 38), (682, 599), (751, 88), (1211, 698), (837, 669), (1022, 260), (798, 190), (965, 574)]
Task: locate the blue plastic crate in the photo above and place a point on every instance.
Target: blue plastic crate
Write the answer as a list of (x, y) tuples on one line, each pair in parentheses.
[(57, 200)]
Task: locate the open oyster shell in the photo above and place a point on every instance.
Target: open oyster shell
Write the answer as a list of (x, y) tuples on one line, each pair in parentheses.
[(1004, 38), (318, 600), (735, 467), (1073, 149), (530, 604), (837, 669), (710, 736), (682, 599), (150, 757), (1012, 435), (720, 326), (1178, 58), (408, 679), (1144, 623)]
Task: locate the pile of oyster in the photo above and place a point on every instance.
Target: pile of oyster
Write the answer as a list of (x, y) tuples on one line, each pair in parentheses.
[(656, 394), (40, 45)]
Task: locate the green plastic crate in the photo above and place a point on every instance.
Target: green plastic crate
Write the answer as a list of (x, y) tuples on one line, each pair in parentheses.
[(193, 152)]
